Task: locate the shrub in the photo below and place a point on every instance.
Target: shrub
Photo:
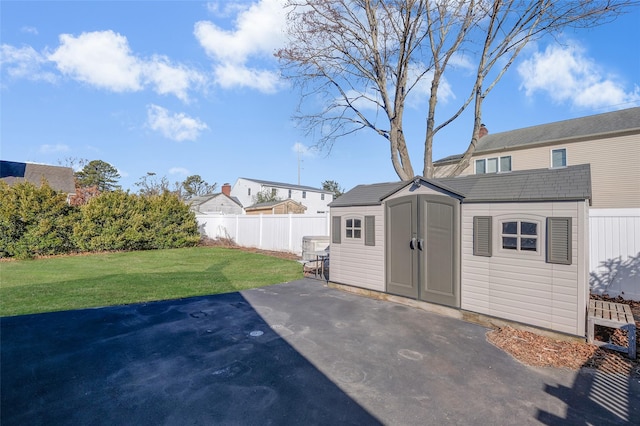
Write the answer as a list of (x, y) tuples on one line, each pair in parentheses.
[(35, 221), (122, 221)]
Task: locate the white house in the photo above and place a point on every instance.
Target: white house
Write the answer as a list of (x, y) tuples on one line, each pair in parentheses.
[(314, 199), (220, 203)]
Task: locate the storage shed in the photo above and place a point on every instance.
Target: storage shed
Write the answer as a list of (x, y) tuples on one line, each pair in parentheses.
[(511, 246)]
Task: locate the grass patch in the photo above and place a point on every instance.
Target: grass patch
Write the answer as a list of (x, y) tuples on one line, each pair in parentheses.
[(75, 282)]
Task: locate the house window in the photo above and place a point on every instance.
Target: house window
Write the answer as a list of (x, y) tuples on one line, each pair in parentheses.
[(322, 197), (289, 193), (559, 157), (304, 194), (274, 192), (493, 165), (249, 191), (520, 235), (354, 228)]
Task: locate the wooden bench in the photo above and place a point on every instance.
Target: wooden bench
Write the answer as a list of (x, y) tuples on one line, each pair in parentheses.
[(614, 315)]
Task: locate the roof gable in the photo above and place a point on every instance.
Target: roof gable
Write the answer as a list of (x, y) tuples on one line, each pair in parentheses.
[(201, 199)]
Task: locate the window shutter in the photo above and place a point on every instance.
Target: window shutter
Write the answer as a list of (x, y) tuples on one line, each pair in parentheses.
[(336, 231), (482, 236), (559, 240), (369, 230)]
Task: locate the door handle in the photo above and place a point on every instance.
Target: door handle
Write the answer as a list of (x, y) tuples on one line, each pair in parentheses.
[(412, 244), (420, 244)]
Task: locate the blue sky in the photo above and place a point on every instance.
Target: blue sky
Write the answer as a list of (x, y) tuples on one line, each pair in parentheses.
[(183, 87)]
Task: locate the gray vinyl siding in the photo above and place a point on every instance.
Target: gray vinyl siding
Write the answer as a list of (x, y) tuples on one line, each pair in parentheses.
[(615, 166), (522, 287), (354, 263)]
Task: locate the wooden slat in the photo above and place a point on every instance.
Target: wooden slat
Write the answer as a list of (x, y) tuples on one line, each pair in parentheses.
[(614, 315)]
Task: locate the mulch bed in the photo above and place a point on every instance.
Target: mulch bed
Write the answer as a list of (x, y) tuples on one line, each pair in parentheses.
[(540, 351)]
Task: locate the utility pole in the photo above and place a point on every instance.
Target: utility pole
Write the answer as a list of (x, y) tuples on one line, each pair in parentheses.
[(298, 150)]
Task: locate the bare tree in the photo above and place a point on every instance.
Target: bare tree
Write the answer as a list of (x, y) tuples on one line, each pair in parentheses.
[(363, 58), (194, 186)]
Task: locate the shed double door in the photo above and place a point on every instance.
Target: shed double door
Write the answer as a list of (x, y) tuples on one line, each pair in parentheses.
[(422, 248)]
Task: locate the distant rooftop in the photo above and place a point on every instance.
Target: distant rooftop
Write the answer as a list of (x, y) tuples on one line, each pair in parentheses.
[(286, 185), (59, 178)]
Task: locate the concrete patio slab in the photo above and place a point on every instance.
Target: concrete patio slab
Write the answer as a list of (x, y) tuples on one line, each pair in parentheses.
[(294, 353)]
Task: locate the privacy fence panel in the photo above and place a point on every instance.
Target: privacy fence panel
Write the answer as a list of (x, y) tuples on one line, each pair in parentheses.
[(614, 237), (280, 232)]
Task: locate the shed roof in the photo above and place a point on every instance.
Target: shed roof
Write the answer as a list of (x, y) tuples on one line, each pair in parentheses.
[(274, 203), (561, 184), (59, 178), (593, 126)]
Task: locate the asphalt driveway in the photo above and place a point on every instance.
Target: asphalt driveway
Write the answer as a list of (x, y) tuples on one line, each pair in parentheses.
[(289, 354)]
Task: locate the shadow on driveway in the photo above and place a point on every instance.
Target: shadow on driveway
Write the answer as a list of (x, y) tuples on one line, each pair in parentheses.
[(204, 360), (293, 353)]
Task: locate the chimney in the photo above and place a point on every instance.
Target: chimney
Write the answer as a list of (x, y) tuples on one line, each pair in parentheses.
[(226, 189), (483, 131)]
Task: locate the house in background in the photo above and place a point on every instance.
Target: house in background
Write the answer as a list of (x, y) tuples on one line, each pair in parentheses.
[(314, 199), (59, 178), (276, 207), (220, 203), (610, 144)]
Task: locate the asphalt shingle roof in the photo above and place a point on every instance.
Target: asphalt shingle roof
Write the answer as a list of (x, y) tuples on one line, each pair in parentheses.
[(59, 178), (591, 126), (567, 183)]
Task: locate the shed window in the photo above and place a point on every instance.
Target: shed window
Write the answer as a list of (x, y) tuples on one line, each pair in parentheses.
[(519, 235), (353, 228)]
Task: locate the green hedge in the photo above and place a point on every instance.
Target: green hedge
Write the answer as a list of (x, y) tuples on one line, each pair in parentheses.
[(38, 221)]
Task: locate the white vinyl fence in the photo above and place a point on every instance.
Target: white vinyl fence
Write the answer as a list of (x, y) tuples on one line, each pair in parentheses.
[(278, 232), (614, 250)]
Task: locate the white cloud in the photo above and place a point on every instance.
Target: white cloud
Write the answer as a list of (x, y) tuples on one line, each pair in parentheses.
[(101, 58), (230, 75), (29, 30), (178, 127), (171, 79), (104, 59), (305, 151), (48, 149), (566, 74), (226, 8), (179, 171), (259, 30), (24, 62)]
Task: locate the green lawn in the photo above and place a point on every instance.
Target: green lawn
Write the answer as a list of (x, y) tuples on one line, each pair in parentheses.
[(74, 282)]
